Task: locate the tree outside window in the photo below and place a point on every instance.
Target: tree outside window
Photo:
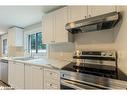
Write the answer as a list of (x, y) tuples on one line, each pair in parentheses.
[(35, 43)]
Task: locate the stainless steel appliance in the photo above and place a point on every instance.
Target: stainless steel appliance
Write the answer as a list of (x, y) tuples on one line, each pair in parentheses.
[(106, 21), (93, 70)]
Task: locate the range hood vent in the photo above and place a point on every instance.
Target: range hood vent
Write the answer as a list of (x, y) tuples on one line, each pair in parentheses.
[(106, 21)]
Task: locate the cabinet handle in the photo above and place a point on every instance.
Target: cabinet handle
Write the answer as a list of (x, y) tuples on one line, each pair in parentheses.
[(50, 84), (85, 16), (89, 15)]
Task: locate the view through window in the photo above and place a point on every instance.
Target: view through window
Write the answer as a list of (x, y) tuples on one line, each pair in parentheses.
[(35, 43), (5, 46)]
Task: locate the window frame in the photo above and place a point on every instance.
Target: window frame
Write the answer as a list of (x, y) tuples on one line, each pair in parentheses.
[(26, 46), (37, 50)]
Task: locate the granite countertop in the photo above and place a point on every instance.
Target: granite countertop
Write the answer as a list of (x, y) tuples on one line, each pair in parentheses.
[(50, 63)]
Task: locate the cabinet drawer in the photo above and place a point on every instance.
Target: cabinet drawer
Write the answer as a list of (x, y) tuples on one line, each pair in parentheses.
[(50, 85), (51, 74)]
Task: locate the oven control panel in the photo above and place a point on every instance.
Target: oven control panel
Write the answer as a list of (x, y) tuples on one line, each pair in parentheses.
[(108, 54), (95, 53)]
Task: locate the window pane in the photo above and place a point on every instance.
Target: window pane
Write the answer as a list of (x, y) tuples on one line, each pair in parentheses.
[(35, 43), (33, 46), (39, 41), (5, 46)]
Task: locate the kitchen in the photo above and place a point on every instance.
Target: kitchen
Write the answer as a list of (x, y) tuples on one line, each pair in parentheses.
[(35, 56)]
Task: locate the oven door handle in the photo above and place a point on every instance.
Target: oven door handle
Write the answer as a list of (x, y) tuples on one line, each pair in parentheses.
[(70, 84), (77, 85)]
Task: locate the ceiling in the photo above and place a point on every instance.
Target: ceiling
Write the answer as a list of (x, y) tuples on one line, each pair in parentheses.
[(22, 16)]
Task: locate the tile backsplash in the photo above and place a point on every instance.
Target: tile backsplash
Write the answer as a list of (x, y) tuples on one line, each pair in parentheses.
[(98, 40), (62, 51)]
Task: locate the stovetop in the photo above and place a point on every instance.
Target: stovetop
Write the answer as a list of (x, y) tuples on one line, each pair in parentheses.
[(97, 70)]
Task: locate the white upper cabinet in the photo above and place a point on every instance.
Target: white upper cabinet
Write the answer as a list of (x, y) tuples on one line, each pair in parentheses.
[(53, 25), (48, 28), (15, 36), (77, 13), (99, 10), (61, 19)]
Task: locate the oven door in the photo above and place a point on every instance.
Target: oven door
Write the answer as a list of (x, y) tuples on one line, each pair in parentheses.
[(69, 84)]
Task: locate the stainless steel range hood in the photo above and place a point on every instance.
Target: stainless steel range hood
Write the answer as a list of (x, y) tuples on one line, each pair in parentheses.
[(106, 21)]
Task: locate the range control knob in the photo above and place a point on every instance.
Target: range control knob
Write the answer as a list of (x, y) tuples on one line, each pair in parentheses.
[(110, 54), (103, 54)]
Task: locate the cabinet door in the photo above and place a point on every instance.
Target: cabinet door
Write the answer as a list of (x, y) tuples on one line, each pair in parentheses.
[(61, 34), (15, 36), (37, 77), (48, 28), (77, 13), (4, 72), (99, 10), (11, 73), (19, 37), (28, 76), (16, 75)]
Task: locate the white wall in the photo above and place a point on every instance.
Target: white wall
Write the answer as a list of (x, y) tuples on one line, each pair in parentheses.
[(62, 51)]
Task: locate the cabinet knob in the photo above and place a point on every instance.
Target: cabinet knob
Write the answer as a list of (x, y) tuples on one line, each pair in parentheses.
[(50, 73), (50, 84)]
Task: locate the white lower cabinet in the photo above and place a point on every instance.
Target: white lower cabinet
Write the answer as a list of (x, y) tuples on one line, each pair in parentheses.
[(51, 79), (16, 75), (28, 76), (33, 77)]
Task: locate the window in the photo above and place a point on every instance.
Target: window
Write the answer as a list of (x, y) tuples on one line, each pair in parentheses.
[(5, 46), (35, 43)]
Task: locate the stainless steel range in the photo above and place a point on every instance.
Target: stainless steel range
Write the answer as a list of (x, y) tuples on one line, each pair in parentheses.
[(93, 70)]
